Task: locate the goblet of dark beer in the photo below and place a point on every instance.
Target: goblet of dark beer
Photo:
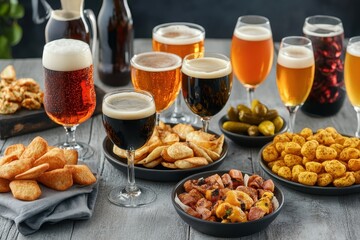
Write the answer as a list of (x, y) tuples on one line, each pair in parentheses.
[(69, 98), (129, 120)]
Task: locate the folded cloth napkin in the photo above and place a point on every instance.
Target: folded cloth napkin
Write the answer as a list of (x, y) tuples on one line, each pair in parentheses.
[(76, 203)]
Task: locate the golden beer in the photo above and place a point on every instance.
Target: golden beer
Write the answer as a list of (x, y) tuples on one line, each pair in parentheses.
[(159, 74), (294, 74), (252, 54), (352, 73), (180, 39)]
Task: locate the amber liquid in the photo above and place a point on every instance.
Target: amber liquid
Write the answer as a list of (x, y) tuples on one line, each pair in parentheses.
[(181, 50), (352, 77), (69, 95), (251, 60)]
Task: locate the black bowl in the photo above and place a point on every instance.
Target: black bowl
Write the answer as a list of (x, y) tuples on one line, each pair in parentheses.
[(249, 141), (218, 229)]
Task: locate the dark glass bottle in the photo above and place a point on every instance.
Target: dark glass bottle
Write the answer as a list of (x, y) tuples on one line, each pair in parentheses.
[(116, 37)]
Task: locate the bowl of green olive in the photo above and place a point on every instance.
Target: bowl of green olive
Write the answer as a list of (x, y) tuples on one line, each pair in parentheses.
[(252, 126)]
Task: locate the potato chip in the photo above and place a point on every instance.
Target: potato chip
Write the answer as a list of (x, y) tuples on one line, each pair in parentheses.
[(37, 147), (81, 174), (71, 156), (55, 158), (182, 164), (33, 172), (58, 179), (26, 190), (4, 185), (10, 170), (199, 152), (182, 130), (154, 163), (8, 74), (169, 165), (179, 151), (139, 153), (155, 154), (18, 149), (8, 158)]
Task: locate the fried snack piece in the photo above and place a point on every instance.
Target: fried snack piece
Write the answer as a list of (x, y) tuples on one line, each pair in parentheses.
[(155, 154), (182, 130), (58, 179), (8, 158), (7, 107), (200, 152), (71, 156), (178, 151), (347, 180), (81, 174), (154, 163), (354, 164), (308, 150), (8, 74), (37, 147), (17, 149), (285, 172), (307, 178), (191, 162), (139, 153), (26, 190), (349, 153), (10, 170), (324, 179), (335, 168), (357, 177), (292, 160), (278, 164), (292, 148), (55, 158), (169, 165), (295, 171), (4, 185), (325, 153), (33, 173), (270, 153), (315, 167)]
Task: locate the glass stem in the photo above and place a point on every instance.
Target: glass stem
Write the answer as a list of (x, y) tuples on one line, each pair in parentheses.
[(292, 114), (177, 107), (131, 186), (205, 123), (250, 94), (357, 133), (70, 135)]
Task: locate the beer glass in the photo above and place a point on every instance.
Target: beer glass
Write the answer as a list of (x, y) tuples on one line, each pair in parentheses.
[(206, 84), (252, 52), (159, 74), (352, 76), (180, 38), (294, 73), (129, 121), (69, 98)]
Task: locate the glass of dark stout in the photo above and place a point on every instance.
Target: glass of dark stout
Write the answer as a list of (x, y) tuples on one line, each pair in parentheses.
[(129, 119), (206, 84)]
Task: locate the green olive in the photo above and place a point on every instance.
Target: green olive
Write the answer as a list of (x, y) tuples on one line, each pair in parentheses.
[(267, 128), (233, 114), (278, 122), (260, 110), (243, 108)]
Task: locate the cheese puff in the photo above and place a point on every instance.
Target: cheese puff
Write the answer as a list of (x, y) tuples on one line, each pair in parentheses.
[(345, 181), (340, 139), (270, 154), (325, 153), (324, 179), (352, 142), (338, 147), (292, 160), (335, 168), (313, 167), (285, 172), (278, 165), (357, 177), (293, 148), (290, 135), (281, 138), (325, 137), (295, 171), (307, 178), (306, 132), (299, 140), (308, 150), (354, 164), (349, 153), (271, 164), (305, 160), (280, 146)]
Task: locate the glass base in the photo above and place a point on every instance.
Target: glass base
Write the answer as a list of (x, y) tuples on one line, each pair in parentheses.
[(123, 198), (84, 150), (176, 118)]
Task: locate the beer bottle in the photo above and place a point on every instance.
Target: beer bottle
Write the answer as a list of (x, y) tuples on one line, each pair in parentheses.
[(116, 36)]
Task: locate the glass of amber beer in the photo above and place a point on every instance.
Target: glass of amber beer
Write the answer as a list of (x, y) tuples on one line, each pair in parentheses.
[(159, 74), (69, 98), (206, 84), (352, 76), (180, 38), (294, 73), (129, 121), (252, 51)]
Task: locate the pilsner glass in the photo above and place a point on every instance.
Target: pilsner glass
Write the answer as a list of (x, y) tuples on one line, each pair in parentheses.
[(129, 121), (159, 74), (69, 98), (352, 76), (206, 84), (294, 73), (180, 38), (252, 52)]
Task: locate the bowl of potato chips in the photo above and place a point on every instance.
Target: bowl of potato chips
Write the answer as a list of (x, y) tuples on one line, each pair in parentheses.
[(324, 162), (172, 153)]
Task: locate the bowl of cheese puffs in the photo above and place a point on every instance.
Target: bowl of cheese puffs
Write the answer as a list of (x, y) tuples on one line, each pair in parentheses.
[(322, 162), (227, 203)]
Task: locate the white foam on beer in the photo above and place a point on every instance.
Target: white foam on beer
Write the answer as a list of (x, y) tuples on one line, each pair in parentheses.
[(295, 57), (178, 35), (128, 106), (156, 61), (354, 49), (206, 67), (66, 55), (322, 30), (252, 33), (63, 15)]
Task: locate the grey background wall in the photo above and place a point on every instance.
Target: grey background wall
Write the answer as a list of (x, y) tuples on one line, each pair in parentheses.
[(218, 17)]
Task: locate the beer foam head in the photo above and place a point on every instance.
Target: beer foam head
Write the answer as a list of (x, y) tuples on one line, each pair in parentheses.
[(64, 15), (252, 33), (156, 61), (354, 49), (178, 35), (128, 106), (295, 57), (323, 30), (206, 67), (66, 55)]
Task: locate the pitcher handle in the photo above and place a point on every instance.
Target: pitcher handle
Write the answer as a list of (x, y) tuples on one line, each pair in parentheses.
[(35, 16), (91, 16)]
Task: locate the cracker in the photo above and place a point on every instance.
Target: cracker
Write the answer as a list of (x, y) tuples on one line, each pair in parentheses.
[(58, 179), (81, 174), (27, 190)]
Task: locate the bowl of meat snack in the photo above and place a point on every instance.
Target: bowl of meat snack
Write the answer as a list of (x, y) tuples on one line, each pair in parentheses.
[(227, 203)]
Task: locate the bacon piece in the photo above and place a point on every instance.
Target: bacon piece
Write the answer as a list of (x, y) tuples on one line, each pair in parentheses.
[(203, 207), (255, 181), (214, 181), (255, 213), (193, 213), (238, 176), (268, 185), (250, 191), (226, 179)]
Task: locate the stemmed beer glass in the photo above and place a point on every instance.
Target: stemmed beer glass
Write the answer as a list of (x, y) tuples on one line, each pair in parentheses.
[(252, 51), (129, 121), (352, 76), (294, 73), (69, 97), (180, 38), (159, 74), (206, 84)]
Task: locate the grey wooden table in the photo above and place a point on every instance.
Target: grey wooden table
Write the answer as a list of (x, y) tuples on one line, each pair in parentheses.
[(303, 216)]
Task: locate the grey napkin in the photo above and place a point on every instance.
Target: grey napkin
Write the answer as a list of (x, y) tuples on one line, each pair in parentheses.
[(76, 203)]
